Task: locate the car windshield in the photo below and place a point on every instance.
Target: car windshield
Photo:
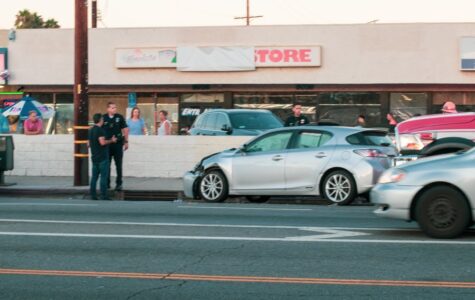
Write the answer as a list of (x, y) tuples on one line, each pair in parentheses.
[(249, 120), (370, 138)]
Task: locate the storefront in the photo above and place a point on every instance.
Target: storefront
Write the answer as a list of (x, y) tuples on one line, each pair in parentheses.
[(336, 72)]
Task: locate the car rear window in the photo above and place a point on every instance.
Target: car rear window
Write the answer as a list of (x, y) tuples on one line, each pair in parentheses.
[(369, 138), (249, 120)]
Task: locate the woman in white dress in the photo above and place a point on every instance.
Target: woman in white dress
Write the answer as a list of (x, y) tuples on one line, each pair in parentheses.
[(165, 125)]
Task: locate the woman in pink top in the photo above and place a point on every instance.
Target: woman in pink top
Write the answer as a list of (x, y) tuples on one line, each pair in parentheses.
[(33, 125)]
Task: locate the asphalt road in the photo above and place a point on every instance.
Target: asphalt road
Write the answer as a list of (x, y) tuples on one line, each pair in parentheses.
[(79, 249)]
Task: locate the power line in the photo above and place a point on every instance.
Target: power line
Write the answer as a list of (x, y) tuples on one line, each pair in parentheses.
[(248, 16)]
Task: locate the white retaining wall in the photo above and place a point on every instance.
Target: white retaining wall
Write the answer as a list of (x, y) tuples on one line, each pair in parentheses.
[(148, 156)]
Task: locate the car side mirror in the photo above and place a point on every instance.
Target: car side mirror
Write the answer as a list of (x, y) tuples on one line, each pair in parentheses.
[(227, 129)]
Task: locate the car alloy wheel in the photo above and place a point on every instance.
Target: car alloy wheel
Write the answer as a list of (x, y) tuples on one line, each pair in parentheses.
[(214, 187), (339, 187), (442, 212)]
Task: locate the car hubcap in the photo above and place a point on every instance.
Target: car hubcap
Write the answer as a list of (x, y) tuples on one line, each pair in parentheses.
[(441, 213), (211, 186), (338, 188)]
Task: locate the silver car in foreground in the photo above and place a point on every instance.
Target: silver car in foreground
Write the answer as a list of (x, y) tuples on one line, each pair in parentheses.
[(437, 192), (338, 163)]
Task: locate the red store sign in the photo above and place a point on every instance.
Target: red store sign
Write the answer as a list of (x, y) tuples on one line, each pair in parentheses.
[(288, 56)]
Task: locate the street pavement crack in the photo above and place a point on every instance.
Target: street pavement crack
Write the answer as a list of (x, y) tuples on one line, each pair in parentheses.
[(183, 282), (179, 285), (203, 257)]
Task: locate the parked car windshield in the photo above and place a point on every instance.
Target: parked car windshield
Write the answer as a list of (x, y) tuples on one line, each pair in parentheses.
[(249, 120), (370, 138)]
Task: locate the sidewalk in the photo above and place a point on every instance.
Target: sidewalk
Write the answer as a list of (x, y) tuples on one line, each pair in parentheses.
[(156, 189), (136, 188)]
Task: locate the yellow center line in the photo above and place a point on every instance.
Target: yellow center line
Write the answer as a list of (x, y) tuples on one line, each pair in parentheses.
[(252, 279)]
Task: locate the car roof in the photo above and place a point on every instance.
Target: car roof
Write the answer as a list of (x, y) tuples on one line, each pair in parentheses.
[(343, 130), (238, 110)]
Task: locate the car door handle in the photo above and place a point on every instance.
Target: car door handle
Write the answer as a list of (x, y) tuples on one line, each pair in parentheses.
[(320, 155), (277, 158)]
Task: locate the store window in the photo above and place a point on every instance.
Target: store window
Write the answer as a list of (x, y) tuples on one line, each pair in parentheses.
[(146, 104), (464, 101), (279, 104), (64, 117), (203, 98), (98, 103), (192, 105), (407, 105), (344, 108)]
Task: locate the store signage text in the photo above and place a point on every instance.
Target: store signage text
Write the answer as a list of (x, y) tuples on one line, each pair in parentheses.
[(145, 58), (193, 112), (287, 56)]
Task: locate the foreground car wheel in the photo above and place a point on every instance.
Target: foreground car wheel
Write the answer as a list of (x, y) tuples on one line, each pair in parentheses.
[(442, 212), (339, 187), (214, 187), (257, 199)]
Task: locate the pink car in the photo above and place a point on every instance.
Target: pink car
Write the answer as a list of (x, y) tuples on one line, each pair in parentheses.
[(435, 134)]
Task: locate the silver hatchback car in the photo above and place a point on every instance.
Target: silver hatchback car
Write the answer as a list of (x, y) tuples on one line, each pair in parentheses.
[(338, 163), (438, 192)]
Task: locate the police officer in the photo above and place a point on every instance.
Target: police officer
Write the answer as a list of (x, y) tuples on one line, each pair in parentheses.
[(115, 125), (297, 119)]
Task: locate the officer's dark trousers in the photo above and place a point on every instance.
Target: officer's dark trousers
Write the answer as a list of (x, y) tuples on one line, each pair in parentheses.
[(116, 152)]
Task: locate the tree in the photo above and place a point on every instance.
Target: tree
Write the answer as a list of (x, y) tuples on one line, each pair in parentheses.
[(26, 19), (51, 23)]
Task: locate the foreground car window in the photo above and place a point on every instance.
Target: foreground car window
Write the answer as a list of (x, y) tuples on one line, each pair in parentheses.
[(369, 138), (311, 139), (274, 142), (254, 121)]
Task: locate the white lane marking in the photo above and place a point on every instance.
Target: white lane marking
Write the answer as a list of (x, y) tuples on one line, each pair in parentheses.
[(224, 238), (247, 208), (43, 204), (328, 234), (200, 225)]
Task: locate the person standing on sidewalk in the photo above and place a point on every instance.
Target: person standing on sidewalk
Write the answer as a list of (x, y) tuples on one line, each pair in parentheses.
[(100, 157), (115, 126)]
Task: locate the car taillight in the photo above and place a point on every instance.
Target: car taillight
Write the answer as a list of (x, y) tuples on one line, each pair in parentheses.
[(426, 136), (370, 153)]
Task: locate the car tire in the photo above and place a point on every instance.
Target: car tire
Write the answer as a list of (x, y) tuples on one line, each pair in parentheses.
[(339, 187), (213, 187), (257, 199), (442, 212)]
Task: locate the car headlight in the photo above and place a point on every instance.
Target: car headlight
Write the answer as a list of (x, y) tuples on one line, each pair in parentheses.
[(392, 175)]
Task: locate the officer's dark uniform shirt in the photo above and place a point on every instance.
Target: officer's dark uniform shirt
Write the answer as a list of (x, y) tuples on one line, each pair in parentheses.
[(99, 153), (113, 127), (296, 121)]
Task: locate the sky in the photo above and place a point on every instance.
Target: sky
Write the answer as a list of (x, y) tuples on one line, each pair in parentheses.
[(163, 13)]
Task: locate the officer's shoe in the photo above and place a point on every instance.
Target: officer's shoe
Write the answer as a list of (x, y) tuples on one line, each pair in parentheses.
[(118, 188)]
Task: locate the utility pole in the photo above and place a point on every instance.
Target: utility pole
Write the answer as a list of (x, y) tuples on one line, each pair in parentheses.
[(248, 16), (94, 14), (80, 91)]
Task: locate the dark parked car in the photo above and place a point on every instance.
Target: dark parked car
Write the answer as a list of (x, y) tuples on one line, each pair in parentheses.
[(235, 122)]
